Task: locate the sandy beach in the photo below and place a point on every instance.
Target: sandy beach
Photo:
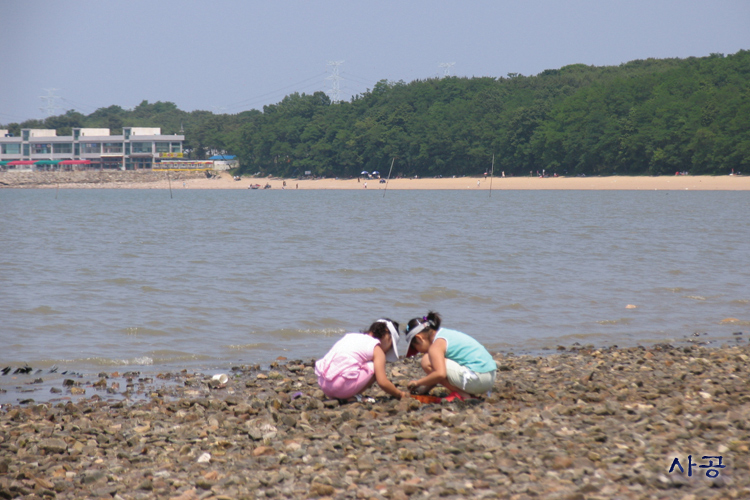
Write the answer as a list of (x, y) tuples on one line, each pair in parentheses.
[(178, 180)]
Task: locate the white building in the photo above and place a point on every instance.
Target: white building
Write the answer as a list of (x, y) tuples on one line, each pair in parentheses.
[(42, 149)]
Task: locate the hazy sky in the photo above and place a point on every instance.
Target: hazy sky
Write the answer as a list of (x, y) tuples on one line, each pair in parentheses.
[(230, 56)]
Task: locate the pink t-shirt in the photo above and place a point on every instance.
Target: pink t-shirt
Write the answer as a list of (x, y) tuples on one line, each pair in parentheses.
[(348, 358)]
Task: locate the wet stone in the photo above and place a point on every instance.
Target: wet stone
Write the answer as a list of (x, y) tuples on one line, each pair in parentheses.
[(585, 423)]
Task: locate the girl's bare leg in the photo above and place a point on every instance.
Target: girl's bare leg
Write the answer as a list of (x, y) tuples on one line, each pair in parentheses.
[(427, 367)]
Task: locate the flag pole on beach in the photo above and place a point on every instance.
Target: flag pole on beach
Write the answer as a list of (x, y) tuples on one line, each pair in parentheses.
[(492, 171), (389, 176)]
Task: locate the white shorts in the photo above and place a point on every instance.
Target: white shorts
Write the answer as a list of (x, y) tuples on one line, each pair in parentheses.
[(468, 380)]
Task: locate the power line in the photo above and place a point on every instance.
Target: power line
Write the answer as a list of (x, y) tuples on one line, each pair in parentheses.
[(256, 98), (315, 86), (82, 107)]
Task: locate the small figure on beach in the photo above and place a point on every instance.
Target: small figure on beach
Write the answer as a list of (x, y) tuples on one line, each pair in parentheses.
[(357, 361), (450, 358)]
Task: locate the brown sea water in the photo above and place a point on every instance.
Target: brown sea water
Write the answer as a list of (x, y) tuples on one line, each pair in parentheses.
[(101, 280)]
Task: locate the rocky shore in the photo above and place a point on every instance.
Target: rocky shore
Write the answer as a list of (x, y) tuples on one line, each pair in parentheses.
[(90, 178), (581, 424)]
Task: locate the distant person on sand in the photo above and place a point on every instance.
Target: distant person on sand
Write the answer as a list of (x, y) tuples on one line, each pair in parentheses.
[(357, 361), (451, 359)]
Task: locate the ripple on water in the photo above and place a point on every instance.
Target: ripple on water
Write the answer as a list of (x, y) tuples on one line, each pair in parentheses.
[(139, 331), (676, 289), (303, 334), (41, 310), (254, 346), (121, 281), (407, 305), (516, 306), (439, 293), (621, 321), (369, 289)]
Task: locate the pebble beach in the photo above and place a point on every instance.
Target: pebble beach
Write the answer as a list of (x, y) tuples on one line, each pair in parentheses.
[(579, 424)]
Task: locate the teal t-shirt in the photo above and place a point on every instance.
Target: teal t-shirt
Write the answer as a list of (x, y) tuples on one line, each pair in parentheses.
[(466, 351)]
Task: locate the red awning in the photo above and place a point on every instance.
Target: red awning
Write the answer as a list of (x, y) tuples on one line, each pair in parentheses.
[(22, 162), (76, 162)]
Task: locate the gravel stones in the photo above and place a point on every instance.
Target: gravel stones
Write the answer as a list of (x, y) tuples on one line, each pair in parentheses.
[(579, 424)]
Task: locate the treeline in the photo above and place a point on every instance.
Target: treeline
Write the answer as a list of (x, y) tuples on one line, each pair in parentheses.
[(651, 117)]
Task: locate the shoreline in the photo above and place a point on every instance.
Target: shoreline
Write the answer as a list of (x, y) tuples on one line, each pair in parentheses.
[(585, 423), (195, 180)]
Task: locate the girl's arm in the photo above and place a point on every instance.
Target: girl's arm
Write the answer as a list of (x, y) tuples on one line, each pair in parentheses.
[(437, 360), (378, 361)]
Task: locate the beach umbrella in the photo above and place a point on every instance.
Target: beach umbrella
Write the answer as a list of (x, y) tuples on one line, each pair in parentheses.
[(364, 172), (375, 172)]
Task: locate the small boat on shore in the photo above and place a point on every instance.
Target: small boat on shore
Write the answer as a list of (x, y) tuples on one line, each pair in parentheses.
[(254, 186)]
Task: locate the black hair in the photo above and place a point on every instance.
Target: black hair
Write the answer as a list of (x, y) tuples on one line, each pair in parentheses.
[(379, 329), (432, 319)]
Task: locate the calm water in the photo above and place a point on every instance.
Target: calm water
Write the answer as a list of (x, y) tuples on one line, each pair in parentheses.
[(130, 279)]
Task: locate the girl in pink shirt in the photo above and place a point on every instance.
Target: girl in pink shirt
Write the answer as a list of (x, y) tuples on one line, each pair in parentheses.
[(356, 361)]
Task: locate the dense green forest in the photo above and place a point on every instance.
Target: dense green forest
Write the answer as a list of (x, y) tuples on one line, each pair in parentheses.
[(654, 116)]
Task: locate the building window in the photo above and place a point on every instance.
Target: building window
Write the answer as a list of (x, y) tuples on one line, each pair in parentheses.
[(91, 148), (162, 147), (41, 149), (141, 147), (112, 147), (11, 149), (64, 148), (176, 147)]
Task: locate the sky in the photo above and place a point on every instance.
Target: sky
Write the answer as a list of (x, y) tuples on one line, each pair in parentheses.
[(229, 56)]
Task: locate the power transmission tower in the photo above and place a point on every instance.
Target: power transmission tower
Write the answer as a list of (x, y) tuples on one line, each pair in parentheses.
[(49, 102), (335, 92), (446, 68)]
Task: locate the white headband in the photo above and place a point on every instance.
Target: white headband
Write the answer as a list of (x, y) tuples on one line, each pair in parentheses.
[(392, 354), (391, 328)]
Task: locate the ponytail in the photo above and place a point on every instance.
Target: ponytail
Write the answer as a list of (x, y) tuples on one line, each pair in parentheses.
[(432, 321), (435, 319)]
